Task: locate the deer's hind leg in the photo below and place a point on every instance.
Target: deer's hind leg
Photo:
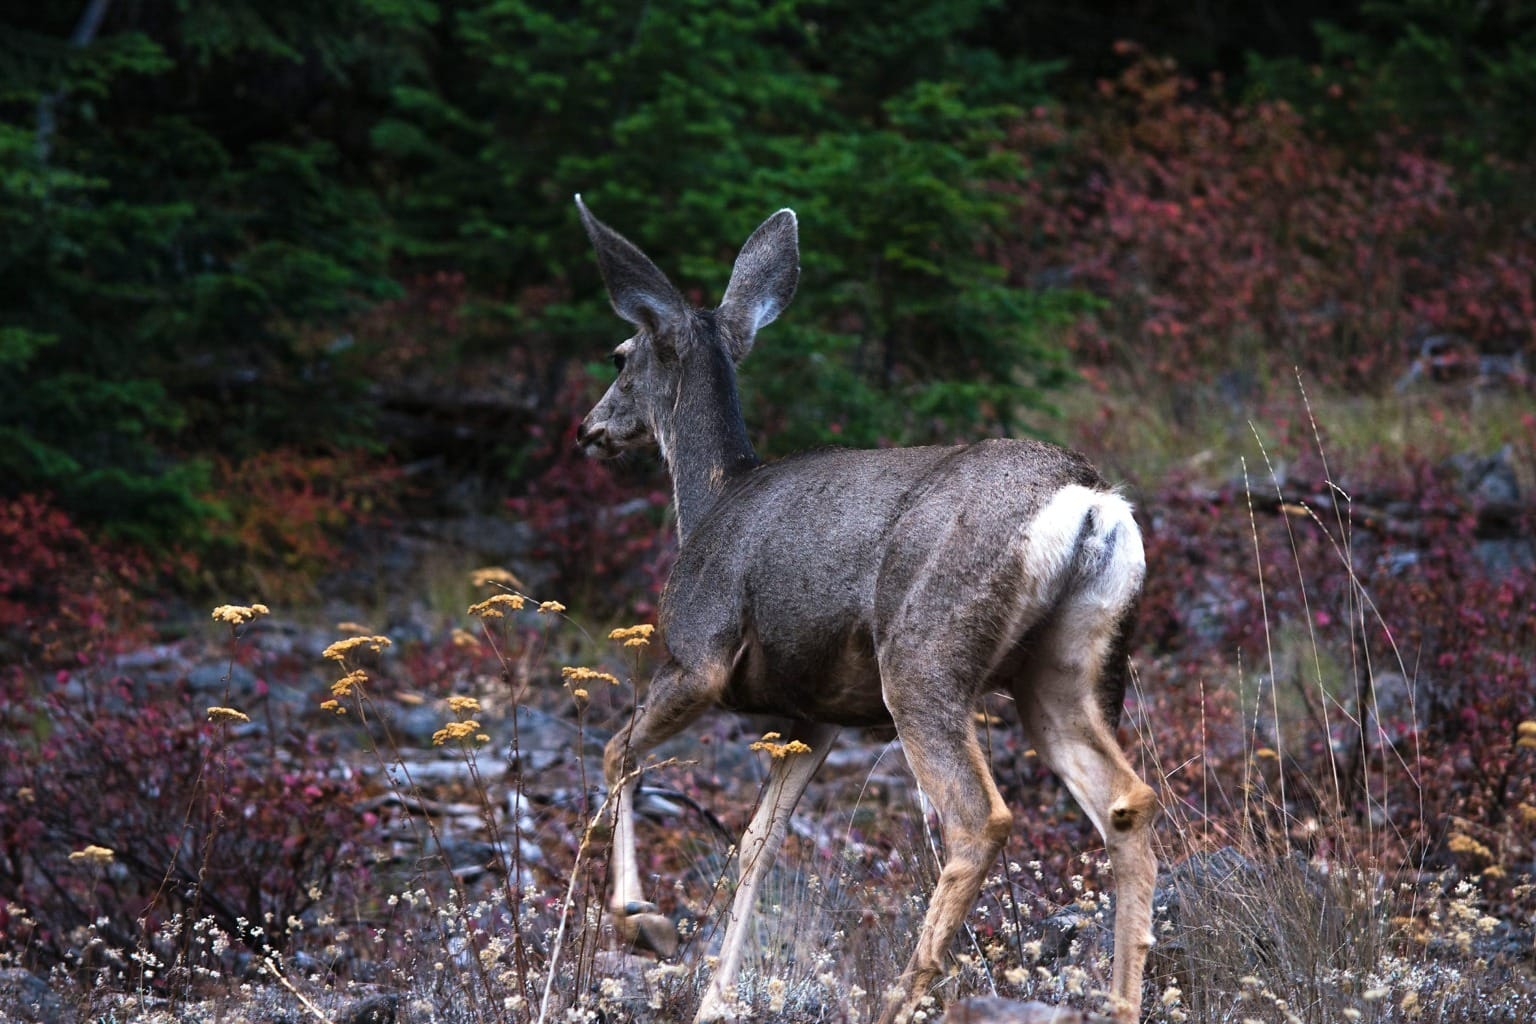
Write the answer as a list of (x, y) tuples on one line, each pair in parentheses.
[(1058, 696), (676, 699)]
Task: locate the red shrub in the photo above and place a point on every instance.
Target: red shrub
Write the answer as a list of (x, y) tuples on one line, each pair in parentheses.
[(288, 510), (1224, 236), (601, 529), (1401, 664), (59, 587), (201, 823)]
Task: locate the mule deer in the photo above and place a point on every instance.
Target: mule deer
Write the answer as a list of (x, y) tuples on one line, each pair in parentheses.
[(853, 588)]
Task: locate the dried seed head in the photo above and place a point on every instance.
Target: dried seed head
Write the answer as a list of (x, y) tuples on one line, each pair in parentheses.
[(93, 854)]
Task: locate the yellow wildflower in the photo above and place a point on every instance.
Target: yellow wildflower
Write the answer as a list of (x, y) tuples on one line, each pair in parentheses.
[(1461, 843), (579, 693), (497, 575), (457, 731), (550, 607), (343, 687), (587, 675), (462, 706), (355, 628), (463, 638), (239, 614), (1527, 728), (339, 650), (227, 715), (93, 854), (334, 705), (491, 607), (633, 636), (769, 744)]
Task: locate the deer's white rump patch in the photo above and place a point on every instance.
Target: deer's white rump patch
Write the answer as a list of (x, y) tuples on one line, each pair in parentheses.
[(1091, 534)]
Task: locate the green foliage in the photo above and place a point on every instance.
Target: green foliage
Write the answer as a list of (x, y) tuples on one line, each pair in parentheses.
[(1462, 74), (909, 331), (166, 270), (685, 123)]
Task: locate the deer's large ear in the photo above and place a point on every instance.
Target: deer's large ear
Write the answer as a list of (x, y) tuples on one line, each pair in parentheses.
[(762, 281), (639, 291)]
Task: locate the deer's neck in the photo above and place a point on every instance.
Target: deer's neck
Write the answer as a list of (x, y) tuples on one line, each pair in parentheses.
[(704, 440)]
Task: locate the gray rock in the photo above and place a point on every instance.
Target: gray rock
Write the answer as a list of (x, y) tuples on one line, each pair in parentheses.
[(1065, 926), (375, 1010), (993, 1010), (26, 997), (219, 677)]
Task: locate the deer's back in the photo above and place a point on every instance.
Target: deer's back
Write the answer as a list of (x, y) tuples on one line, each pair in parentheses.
[(788, 575)]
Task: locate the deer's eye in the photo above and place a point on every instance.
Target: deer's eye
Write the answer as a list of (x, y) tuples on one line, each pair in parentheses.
[(618, 361)]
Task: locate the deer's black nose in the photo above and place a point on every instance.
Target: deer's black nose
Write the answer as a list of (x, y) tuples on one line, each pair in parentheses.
[(587, 437)]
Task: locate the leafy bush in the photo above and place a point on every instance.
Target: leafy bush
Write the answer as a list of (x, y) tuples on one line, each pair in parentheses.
[(126, 819), (1379, 690), (1229, 242), (59, 588), (1456, 77), (287, 511)]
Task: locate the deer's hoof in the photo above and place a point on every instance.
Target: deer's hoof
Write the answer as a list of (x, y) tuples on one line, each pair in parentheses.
[(715, 1009), (649, 930)]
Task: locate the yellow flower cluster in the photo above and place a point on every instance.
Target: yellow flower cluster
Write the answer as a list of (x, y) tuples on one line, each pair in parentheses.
[(497, 575), (770, 745), (550, 607), (1462, 843), (633, 636), (239, 614), (587, 675), (355, 628), (463, 638), (344, 686), (468, 729), (339, 650), (227, 715), (491, 607), (93, 854), (1525, 734), (463, 706)]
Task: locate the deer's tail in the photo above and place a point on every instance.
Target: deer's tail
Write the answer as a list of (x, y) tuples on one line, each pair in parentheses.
[(1084, 556)]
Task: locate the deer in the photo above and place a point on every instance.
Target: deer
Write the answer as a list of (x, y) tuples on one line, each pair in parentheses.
[(890, 587)]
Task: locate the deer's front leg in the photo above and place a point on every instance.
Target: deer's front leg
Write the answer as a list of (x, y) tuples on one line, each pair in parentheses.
[(790, 774), (676, 699)]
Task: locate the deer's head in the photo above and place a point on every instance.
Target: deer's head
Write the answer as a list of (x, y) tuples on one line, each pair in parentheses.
[(680, 353)]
